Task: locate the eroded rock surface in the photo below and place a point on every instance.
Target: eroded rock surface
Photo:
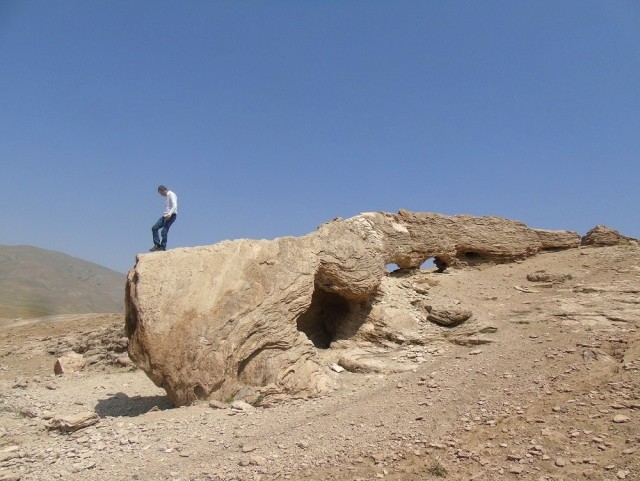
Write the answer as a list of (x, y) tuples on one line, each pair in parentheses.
[(601, 236), (71, 362), (248, 318)]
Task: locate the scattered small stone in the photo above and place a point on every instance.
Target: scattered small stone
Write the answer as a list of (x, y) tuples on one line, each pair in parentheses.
[(241, 406), (123, 361), (561, 463), (215, 404), (74, 423), (29, 412), (20, 384), (621, 418), (336, 368), (70, 362), (258, 461)]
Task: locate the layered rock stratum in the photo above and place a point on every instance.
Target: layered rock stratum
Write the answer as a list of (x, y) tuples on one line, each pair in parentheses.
[(250, 319)]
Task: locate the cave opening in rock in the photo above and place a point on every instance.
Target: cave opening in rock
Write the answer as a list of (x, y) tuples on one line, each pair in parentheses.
[(199, 392), (472, 258), (329, 317)]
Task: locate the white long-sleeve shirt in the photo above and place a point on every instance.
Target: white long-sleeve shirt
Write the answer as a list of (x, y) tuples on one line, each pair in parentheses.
[(170, 203)]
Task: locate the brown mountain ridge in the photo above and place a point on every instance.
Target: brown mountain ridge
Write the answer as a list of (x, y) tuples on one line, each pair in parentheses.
[(38, 282)]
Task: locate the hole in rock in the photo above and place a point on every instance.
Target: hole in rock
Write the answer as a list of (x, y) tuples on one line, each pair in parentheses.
[(429, 264), (329, 317), (473, 258), (392, 267), (440, 264), (200, 392)]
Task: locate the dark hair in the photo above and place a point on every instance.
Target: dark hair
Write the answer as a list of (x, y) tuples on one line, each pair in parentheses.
[(162, 187)]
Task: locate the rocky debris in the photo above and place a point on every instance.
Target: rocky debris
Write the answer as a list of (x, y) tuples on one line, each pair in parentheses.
[(601, 236), (69, 424), (71, 362), (241, 406), (215, 404), (336, 368), (100, 347), (209, 322), (353, 365), (472, 340), (549, 278), (526, 290)]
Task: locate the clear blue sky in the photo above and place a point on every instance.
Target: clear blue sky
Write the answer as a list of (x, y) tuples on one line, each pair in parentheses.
[(268, 118)]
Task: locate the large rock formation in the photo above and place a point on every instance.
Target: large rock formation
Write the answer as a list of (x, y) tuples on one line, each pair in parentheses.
[(602, 235), (247, 318)]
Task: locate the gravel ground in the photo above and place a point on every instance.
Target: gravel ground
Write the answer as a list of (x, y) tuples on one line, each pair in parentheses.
[(546, 388)]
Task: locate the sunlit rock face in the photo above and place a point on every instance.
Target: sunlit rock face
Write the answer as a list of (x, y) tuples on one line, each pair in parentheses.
[(247, 318), (601, 236)]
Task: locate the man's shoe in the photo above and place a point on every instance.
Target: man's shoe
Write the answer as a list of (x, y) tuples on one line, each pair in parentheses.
[(155, 248)]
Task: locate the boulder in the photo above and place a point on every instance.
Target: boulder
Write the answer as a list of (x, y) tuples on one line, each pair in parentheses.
[(552, 240), (209, 322), (601, 236), (75, 422), (353, 365), (449, 316), (71, 362)]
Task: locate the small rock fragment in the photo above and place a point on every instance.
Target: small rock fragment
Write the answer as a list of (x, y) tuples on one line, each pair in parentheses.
[(241, 406), (71, 362), (73, 423), (215, 404), (621, 418)]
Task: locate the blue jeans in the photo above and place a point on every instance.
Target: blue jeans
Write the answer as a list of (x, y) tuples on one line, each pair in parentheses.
[(163, 224)]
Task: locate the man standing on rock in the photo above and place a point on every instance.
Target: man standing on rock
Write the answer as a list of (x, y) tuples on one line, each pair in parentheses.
[(164, 222)]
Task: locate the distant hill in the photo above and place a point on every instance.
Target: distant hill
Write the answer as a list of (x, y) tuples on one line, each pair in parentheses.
[(37, 282)]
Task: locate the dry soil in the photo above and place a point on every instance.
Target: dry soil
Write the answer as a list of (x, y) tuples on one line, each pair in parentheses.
[(542, 384)]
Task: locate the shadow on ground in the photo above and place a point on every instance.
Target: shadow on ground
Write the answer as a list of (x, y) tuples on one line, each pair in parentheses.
[(122, 405)]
